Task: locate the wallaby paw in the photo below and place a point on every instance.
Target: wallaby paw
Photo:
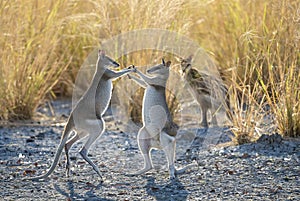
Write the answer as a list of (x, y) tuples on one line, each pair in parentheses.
[(133, 69)]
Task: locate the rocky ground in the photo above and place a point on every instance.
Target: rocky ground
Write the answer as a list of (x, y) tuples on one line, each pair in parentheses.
[(266, 170)]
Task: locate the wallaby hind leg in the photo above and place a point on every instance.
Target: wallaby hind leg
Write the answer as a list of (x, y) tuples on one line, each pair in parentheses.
[(168, 144), (144, 143), (68, 146), (94, 133), (214, 121), (204, 117)]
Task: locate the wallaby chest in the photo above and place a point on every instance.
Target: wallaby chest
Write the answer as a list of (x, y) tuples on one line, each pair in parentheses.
[(154, 96), (103, 95)]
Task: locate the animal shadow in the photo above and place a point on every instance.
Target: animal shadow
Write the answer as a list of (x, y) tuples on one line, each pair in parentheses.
[(173, 190), (69, 191)]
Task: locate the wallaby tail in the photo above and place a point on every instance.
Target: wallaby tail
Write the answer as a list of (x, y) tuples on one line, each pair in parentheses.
[(60, 148)]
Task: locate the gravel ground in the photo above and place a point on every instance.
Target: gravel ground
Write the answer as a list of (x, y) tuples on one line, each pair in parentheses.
[(266, 170)]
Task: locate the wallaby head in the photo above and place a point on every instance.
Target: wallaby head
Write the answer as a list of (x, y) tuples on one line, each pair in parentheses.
[(160, 69), (105, 60), (186, 64)]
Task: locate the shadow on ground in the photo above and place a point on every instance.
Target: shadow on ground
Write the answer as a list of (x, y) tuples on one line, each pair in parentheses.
[(71, 191), (173, 190)]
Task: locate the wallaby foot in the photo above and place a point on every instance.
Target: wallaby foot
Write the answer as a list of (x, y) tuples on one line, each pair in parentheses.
[(172, 172), (214, 120), (142, 171), (204, 122), (84, 153), (68, 146), (168, 143), (144, 145), (182, 170), (68, 164), (68, 167), (147, 161)]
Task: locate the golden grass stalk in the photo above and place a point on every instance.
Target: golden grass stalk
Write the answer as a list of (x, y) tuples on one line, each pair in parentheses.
[(31, 58), (256, 44), (42, 38)]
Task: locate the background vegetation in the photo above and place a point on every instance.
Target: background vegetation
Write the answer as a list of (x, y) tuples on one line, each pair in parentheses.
[(255, 44)]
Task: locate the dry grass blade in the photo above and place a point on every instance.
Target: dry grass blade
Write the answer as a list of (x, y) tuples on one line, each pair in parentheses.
[(255, 44)]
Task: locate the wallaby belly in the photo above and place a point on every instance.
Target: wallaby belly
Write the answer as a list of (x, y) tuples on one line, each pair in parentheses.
[(103, 95), (153, 97)]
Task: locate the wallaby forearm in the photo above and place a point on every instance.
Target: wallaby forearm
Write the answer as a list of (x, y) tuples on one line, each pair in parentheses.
[(139, 81), (115, 74), (148, 80)]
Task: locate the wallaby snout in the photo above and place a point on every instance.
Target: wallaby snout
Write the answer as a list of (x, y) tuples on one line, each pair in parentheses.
[(153, 69), (115, 64), (160, 68), (106, 60)]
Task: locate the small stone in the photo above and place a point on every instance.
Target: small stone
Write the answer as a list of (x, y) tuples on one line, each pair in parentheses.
[(29, 140)]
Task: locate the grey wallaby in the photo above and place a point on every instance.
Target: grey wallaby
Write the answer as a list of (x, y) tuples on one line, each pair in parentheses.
[(158, 131), (86, 117)]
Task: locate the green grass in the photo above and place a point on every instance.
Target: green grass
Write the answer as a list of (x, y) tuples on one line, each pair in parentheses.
[(255, 44)]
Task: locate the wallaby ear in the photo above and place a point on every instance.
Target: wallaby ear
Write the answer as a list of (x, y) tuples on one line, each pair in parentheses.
[(101, 53), (189, 59), (168, 63), (163, 61)]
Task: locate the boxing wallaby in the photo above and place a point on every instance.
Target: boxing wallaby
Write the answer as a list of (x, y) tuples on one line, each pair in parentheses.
[(159, 130), (86, 117), (203, 89)]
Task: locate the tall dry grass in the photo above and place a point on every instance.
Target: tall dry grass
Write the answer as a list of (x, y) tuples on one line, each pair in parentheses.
[(41, 39), (31, 55), (255, 44)]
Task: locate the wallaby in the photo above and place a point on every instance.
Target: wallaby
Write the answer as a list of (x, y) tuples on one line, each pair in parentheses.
[(204, 91), (158, 131), (86, 117)]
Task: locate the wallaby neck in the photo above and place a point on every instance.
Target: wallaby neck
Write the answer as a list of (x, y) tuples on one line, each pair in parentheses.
[(99, 73), (159, 87)]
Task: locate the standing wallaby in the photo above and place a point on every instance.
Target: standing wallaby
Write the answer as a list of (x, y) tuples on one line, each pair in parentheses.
[(86, 117), (205, 92), (159, 130)]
